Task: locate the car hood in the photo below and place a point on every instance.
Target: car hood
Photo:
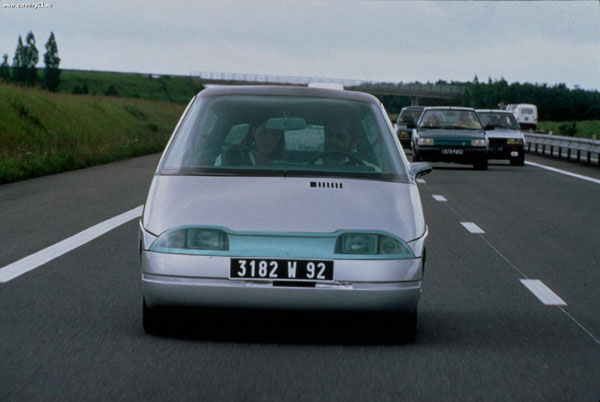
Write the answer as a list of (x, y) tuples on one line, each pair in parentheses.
[(504, 134), (451, 134), (278, 204)]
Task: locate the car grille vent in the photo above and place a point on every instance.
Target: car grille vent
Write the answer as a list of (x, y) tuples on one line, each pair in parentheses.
[(326, 184)]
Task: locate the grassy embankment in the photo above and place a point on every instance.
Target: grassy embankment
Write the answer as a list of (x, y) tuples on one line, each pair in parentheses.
[(583, 129), (178, 89), (43, 133)]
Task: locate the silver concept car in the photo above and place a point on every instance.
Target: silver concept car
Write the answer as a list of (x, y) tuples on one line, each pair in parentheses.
[(275, 197)]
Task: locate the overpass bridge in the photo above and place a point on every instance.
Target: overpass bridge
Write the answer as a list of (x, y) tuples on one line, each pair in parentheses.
[(414, 91)]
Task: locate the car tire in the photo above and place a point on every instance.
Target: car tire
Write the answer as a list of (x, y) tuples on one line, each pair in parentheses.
[(152, 319), (481, 165), (415, 157), (408, 328), (519, 161)]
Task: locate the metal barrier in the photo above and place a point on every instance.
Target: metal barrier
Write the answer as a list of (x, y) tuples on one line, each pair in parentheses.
[(573, 149), (445, 91)]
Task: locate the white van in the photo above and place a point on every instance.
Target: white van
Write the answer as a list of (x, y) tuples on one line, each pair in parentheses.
[(525, 113)]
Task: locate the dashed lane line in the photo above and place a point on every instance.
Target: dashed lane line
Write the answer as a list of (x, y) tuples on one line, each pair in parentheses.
[(473, 228), (543, 292)]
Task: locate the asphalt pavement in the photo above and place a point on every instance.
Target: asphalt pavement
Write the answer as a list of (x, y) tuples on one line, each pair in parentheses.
[(70, 330)]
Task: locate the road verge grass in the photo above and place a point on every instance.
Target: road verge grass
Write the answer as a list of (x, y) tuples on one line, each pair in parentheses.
[(44, 133), (582, 129)]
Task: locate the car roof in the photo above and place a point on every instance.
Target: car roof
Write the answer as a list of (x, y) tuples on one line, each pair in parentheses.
[(287, 90), (449, 108), (413, 108), (492, 111)]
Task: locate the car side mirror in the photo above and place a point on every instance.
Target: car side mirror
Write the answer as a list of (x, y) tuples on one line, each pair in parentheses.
[(489, 127), (418, 169)]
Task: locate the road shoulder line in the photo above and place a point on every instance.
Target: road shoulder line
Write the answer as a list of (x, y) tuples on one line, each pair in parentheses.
[(31, 262), (575, 175)]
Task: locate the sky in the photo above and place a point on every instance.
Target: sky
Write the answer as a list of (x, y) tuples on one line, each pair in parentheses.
[(548, 42)]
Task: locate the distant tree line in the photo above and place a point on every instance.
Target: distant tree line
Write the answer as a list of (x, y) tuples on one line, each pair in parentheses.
[(555, 103), (24, 65)]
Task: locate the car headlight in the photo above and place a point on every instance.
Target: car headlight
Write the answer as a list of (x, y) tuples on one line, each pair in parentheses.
[(514, 141), (480, 142), (425, 141), (180, 240), (404, 134), (372, 244)]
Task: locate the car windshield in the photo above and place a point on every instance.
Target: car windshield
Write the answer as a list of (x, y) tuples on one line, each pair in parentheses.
[(499, 120), (449, 119), (409, 116), (258, 135)]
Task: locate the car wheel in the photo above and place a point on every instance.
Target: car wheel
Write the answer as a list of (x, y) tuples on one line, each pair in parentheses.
[(415, 157), (152, 319), (408, 328), (481, 165), (519, 161)]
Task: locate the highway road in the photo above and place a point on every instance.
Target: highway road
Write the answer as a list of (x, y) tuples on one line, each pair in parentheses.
[(70, 329)]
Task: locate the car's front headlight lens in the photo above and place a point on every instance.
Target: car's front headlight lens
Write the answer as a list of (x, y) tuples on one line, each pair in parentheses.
[(425, 141), (511, 141), (480, 142), (370, 243), (191, 238)]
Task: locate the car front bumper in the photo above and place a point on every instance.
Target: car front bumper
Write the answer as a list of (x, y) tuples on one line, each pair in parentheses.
[(455, 154), (173, 280), (505, 151)]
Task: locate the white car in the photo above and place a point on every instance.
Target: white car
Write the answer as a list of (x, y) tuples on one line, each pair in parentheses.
[(506, 140)]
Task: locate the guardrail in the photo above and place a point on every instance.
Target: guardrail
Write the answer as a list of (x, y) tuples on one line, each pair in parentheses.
[(573, 149)]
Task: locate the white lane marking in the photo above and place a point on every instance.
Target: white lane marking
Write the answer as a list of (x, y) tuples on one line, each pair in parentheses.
[(421, 181), (471, 227), (440, 198), (33, 261), (543, 292), (578, 176)]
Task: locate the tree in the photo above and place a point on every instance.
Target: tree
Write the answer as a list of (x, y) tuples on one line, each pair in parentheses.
[(19, 69), (51, 60), (4, 69), (31, 59)]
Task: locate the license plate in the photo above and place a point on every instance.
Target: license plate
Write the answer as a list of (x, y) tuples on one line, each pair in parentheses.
[(307, 270), (452, 151)]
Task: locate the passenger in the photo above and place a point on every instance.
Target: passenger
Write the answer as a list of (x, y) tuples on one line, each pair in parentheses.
[(340, 141), (268, 145)]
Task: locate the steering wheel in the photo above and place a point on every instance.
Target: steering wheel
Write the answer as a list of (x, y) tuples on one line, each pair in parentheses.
[(348, 155)]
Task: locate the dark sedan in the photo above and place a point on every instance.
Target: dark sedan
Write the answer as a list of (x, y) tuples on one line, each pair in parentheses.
[(450, 134), (407, 120)]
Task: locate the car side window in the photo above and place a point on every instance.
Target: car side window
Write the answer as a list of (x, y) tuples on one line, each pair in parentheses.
[(370, 129)]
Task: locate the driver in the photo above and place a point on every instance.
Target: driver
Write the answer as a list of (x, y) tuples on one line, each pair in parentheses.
[(340, 140)]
